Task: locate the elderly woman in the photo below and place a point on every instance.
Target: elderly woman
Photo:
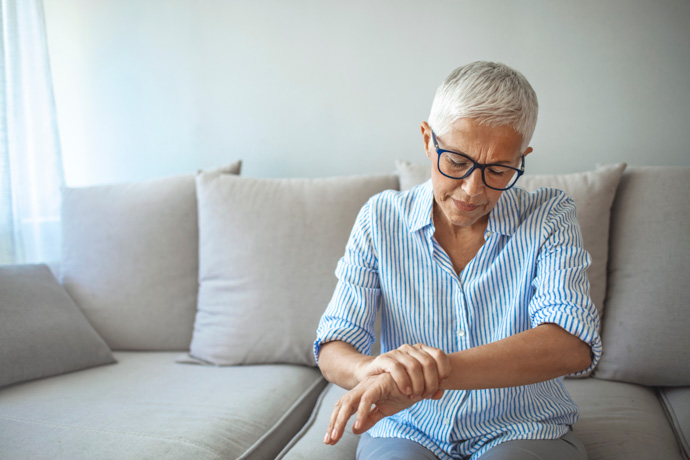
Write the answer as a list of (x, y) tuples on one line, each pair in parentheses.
[(482, 289)]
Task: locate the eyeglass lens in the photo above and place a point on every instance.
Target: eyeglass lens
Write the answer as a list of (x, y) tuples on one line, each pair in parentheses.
[(495, 176)]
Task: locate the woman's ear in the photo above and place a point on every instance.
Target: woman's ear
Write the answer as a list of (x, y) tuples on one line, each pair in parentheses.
[(426, 137), (528, 151)]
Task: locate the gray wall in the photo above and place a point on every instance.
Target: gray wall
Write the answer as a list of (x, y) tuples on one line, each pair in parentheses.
[(306, 88)]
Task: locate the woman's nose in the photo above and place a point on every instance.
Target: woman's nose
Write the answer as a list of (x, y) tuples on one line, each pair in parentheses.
[(473, 184)]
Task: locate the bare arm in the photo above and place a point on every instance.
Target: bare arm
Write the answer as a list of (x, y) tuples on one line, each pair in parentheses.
[(341, 364), (542, 353)]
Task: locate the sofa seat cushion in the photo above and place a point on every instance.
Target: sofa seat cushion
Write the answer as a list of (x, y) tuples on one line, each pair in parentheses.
[(308, 443), (617, 421), (677, 404), (146, 406), (622, 420)]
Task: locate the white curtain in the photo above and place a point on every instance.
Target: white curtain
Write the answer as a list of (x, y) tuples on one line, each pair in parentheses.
[(31, 175)]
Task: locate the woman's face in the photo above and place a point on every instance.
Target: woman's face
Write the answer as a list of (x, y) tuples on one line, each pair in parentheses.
[(467, 202)]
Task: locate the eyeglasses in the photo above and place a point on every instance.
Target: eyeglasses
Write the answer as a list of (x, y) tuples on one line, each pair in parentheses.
[(459, 166)]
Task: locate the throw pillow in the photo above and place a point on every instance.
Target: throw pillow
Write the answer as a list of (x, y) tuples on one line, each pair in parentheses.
[(593, 193), (42, 331), (268, 249), (130, 259), (645, 334)]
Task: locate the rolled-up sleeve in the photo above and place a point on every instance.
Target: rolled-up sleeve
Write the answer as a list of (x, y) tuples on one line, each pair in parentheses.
[(561, 287), (352, 310)]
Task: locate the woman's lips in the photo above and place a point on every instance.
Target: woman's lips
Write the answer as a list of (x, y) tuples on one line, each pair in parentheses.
[(462, 206)]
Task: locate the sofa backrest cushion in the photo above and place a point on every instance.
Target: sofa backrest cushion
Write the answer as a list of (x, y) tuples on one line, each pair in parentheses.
[(42, 331), (130, 260), (647, 319), (268, 251)]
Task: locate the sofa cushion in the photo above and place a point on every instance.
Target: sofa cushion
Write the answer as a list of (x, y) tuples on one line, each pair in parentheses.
[(42, 331), (617, 420), (676, 402), (412, 174), (146, 406), (268, 251), (593, 193), (621, 420), (308, 443), (645, 329), (130, 260)]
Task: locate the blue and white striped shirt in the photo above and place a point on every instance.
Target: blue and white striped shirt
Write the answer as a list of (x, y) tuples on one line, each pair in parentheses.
[(530, 270)]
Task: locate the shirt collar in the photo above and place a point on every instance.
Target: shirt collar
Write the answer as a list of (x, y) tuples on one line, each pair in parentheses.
[(503, 218), (422, 206)]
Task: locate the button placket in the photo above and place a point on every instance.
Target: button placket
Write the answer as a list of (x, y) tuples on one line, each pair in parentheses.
[(461, 308)]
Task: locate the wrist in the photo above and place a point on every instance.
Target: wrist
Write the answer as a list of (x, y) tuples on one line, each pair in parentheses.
[(362, 369)]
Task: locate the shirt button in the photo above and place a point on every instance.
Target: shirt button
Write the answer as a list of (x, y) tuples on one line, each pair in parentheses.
[(489, 234), (461, 333), (446, 421)]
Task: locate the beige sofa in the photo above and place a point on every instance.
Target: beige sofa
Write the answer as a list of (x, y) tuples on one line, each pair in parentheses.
[(182, 323)]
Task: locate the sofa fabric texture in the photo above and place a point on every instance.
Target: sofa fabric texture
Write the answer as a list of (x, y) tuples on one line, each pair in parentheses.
[(308, 443), (42, 331), (147, 406), (268, 251), (130, 259), (621, 420), (647, 322)]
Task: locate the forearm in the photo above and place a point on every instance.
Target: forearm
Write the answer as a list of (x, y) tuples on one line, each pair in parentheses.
[(542, 353), (341, 363)]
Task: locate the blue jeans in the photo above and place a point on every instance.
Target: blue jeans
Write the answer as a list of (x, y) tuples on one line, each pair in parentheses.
[(567, 447)]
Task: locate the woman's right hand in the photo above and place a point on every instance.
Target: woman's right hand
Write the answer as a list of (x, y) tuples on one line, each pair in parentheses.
[(372, 399)]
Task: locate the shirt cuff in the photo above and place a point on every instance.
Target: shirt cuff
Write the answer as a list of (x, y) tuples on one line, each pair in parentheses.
[(580, 324), (358, 338)]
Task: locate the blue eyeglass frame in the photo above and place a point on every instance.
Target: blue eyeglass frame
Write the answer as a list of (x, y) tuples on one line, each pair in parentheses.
[(476, 165)]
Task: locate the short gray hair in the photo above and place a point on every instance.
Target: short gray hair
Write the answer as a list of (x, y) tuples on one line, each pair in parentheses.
[(490, 92)]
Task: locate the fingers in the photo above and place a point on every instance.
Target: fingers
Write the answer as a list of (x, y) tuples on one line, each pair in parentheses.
[(424, 367), (344, 408), (400, 366), (368, 422), (417, 370), (407, 366), (440, 358), (373, 390), (393, 382), (428, 372), (334, 431), (368, 413)]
